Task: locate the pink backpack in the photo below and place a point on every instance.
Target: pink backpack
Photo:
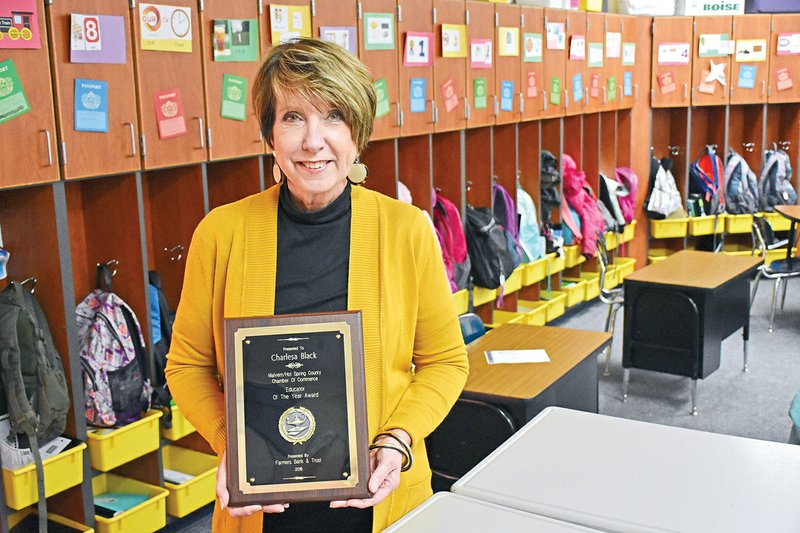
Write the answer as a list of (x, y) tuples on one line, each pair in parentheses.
[(450, 231), (628, 178), (581, 198)]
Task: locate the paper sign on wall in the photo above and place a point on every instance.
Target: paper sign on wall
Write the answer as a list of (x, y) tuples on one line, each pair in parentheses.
[(417, 50), (507, 41), (783, 79), (454, 40), (418, 92), (532, 89), (234, 97), (449, 94), (747, 77), (19, 24), (289, 22), (382, 98), (577, 48), (594, 86), (714, 45), (235, 39), (577, 88), (13, 102), (91, 105), (705, 86), (613, 42), (532, 48), (751, 50), (165, 28), (674, 53), (555, 91), (344, 36), (666, 82), (506, 95), (378, 31), (788, 44), (97, 39), (479, 91), (556, 38), (480, 53), (595, 55), (612, 88), (627, 83), (628, 54), (169, 113)]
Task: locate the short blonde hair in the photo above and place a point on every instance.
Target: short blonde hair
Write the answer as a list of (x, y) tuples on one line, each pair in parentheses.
[(320, 72)]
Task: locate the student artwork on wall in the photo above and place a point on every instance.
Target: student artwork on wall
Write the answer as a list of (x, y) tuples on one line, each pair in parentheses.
[(91, 105), (666, 82), (673, 53), (289, 22), (234, 97), (454, 40), (479, 92), (595, 55), (382, 98), (628, 54), (506, 95), (378, 31), (783, 80), (532, 48), (627, 83), (556, 37), (508, 41), (13, 101), (788, 44), (344, 36), (97, 39), (715, 45), (169, 113), (577, 47), (165, 28), (418, 91), (751, 50), (747, 77), (417, 50), (449, 95), (577, 88), (532, 88), (613, 43), (480, 53), (19, 24), (555, 90), (235, 40)]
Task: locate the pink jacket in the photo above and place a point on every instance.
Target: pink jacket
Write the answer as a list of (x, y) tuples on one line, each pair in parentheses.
[(580, 196)]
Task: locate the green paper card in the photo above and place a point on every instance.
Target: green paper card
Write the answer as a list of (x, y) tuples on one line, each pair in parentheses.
[(12, 98), (235, 40), (595, 55), (382, 97), (378, 31), (612, 88), (234, 97), (555, 91), (479, 88)]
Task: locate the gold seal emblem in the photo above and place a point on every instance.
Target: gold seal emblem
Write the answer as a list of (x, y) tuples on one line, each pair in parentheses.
[(297, 425)]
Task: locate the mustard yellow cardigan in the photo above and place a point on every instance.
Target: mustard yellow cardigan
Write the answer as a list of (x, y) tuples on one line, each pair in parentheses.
[(396, 279)]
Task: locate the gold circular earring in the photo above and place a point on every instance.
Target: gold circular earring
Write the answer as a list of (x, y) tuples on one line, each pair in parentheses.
[(277, 175), (358, 172)]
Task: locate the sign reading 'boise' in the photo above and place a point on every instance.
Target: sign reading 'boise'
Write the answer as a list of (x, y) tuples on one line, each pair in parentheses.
[(709, 7)]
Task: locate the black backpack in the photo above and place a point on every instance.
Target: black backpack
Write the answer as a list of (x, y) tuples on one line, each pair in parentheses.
[(550, 184), (487, 244), (162, 330), (35, 389)]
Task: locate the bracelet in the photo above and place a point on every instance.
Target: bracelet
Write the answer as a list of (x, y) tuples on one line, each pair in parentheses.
[(402, 443), (407, 461)]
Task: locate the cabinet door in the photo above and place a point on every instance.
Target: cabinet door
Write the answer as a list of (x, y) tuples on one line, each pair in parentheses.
[(707, 62), (596, 72), (748, 79), (507, 60), (532, 73), (415, 32), (554, 62), (627, 83), (33, 132), (450, 73), (94, 153), (575, 88), (612, 62), (672, 61), (480, 27), (233, 131), (160, 77), (383, 63), (784, 70)]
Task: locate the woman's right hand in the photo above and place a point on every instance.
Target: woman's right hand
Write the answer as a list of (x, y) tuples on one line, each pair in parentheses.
[(223, 496)]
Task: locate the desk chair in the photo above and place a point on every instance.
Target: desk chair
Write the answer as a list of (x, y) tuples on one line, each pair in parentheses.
[(471, 431), (471, 327), (613, 298), (781, 270)]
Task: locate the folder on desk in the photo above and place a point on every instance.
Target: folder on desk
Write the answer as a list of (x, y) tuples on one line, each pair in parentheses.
[(494, 357)]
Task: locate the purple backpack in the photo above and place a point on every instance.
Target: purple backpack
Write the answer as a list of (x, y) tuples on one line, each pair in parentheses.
[(628, 178), (505, 212)]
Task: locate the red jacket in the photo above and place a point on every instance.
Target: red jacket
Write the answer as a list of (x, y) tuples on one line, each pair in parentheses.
[(580, 196)]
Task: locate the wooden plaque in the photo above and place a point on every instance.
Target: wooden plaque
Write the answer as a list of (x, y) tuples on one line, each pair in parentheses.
[(296, 408)]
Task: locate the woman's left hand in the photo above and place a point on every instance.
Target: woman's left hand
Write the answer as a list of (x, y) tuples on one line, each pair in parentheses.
[(385, 467)]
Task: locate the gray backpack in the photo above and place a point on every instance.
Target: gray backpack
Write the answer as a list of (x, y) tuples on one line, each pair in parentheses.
[(741, 190), (775, 183)]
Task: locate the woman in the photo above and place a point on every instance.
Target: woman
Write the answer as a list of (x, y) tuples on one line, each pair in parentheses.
[(315, 243)]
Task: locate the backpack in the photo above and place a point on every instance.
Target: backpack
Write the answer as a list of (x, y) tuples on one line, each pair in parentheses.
[(35, 388), (706, 178), (609, 222), (580, 197), (627, 203), (492, 262), (161, 320), (610, 192), (530, 240), (112, 355), (450, 232), (505, 212), (550, 179), (663, 197), (775, 182), (741, 191)]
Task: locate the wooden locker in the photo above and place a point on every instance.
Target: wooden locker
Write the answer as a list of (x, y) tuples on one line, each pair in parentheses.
[(531, 64), (449, 73), (612, 62), (554, 65), (783, 84), (575, 92), (506, 68), (384, 66), (671, 76), (705, 92), (480, 25), (415, 25), (596, 75)]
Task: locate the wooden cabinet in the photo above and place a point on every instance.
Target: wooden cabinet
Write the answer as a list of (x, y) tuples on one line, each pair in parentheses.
[(710, 62), (94, 153), (554, 63), (628, 82), (671, 72), (532, 67), (480, 26), (33, 132), (575, 90), (506, 67), (595, 72), (748, 80), (416, 80), (612, 62), (160, 78), (449, 73), (383, 64), (230, 136), (783, 84)]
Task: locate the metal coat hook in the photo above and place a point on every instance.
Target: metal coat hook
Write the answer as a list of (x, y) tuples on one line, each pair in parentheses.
[(469, 185), (749, 147), (32, 282), (784, 145), (105, 273), (175, 253), (111, 265), (674, 149)]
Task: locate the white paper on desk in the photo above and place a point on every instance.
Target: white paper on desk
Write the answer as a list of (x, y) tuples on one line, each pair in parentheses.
[(495, 357)]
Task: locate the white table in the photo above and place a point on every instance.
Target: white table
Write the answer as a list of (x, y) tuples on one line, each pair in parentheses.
[(445, 511), (622, 475)]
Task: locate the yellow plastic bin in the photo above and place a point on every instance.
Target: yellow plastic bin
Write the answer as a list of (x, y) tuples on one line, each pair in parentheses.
[(61, 472), (500, 317), (611, 240), (193, 494), (556, 303), (535, 271), (779, 253), (555, 263), (592, 280), (738, 223), (777, 221), (668, 228), (535, 311), (625, 267), (738, 249), (628, 232), (482, 295), (180, 426), (15, 519), (575, 291), (148, 516), (514, 281), (611, 280), (461, 299), (705, 225), (109, 448), (573, 256), (654, 255)]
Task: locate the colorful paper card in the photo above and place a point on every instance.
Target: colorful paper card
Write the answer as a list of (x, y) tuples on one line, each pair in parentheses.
[(417, 91), (532, 48), (417, 50), (627, 83), (705, 86), (594, 86), (97, 39), (289, 22), (19, 24), (169, 113), (666, 83), (479, 91), (480, 53), (788, 44), (235, 39), (556, 37), (555, 91), (783, 80), (577, 88), (532, 88), (506, 95), (165, 28), (344, 36), (674, 53), (613, 42), (382, 98), (507, 41), (577, 48), (378, 31), (449, 94), (91, 105), (454, 40), (234, 97), (713, 45), (611, 86), (747, 77), (13, 102), (595, 55), (628, 54), (751, 50)]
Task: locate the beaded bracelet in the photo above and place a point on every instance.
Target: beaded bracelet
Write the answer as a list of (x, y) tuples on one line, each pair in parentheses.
[(407, 460)]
